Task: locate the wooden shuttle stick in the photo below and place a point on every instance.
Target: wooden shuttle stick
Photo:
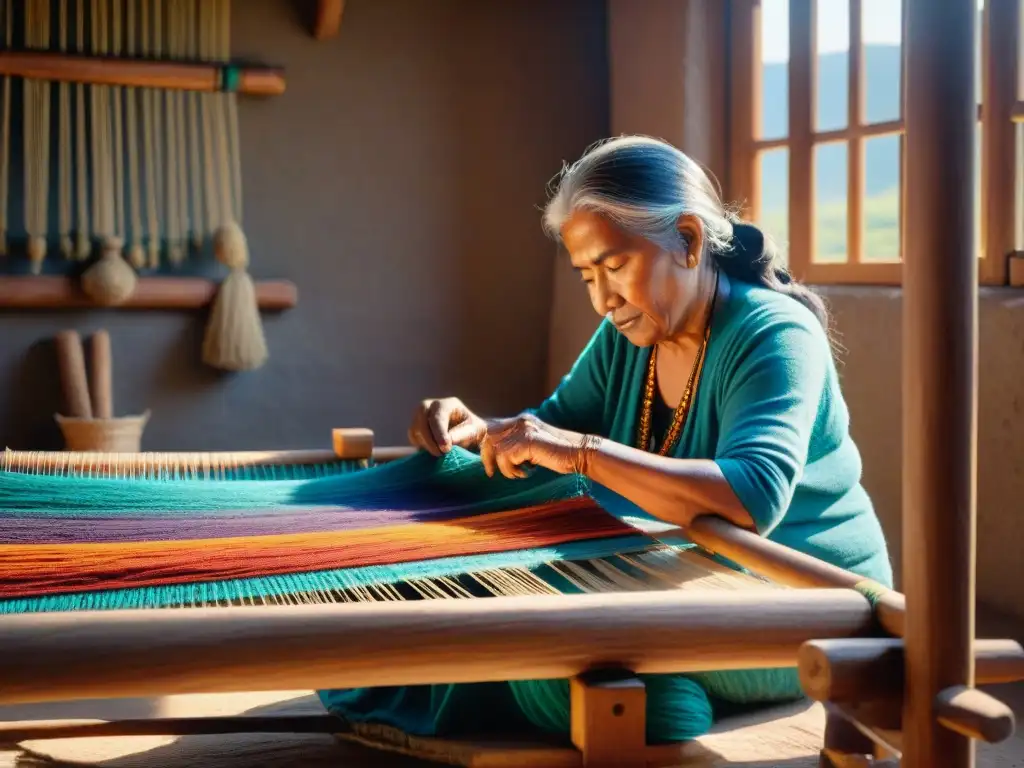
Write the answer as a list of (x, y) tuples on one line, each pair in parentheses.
[(71, 361), (786, 566), (118, 654)]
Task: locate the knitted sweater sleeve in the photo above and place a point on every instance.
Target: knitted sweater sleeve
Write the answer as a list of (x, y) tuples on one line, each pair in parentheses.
[(772, 397)]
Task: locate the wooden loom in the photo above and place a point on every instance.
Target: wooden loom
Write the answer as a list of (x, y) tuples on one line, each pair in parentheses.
[(844, 644)]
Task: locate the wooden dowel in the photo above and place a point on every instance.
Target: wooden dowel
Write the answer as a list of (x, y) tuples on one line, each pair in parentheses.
[(974, 714), (862, 669), (940, 395), (787, 566), (52, 292), (100, 462), (138, 73), (101, 374), (388, 453), (119, 654), (38, 730), (71, 362)]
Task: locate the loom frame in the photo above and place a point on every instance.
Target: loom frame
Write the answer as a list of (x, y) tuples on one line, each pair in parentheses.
[(871, 713), (932, 720)]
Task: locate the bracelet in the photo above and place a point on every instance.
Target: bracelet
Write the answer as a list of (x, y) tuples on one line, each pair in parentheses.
[(588, 445)]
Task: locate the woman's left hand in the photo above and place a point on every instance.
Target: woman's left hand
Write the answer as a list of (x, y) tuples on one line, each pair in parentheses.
[(511, 443)]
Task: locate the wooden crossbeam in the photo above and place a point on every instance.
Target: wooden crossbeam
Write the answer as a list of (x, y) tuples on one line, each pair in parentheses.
[(57, 292), (141, 73), (118, 654)]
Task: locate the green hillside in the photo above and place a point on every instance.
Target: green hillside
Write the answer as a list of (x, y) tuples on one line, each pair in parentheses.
[(881, 228)]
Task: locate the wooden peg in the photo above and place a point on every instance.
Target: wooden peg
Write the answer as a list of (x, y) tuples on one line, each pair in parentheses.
[(101, 375), (71, 360), (328, 18), (352, 443), (974, 714), (608, 719)]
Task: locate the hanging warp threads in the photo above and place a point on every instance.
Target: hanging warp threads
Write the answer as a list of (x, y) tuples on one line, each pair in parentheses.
[(110, 281), (7, 20), (234, 339), (36, 132), (142, 175)]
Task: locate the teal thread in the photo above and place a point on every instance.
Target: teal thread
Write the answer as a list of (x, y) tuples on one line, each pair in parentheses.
[(230, 78)]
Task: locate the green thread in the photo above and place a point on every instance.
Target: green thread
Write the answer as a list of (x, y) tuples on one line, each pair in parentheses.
[(872, 591)]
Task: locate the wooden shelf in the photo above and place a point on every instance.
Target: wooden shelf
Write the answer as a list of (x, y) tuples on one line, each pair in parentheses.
[(141, 73), (186, 293)]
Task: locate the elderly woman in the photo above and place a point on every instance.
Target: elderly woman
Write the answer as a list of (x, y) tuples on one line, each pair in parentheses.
[(709, 388)]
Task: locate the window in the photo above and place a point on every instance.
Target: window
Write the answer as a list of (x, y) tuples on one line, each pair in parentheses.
[(817, 134)]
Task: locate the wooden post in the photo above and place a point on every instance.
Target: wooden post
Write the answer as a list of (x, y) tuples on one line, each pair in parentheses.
[(939, 374), (845, 746), (328, 18), (609, 719), (802, 69)]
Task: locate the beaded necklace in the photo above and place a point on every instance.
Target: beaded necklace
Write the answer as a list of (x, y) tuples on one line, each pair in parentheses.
[(645, 441)]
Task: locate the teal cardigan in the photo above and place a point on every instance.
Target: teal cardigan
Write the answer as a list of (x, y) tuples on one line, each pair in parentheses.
[(769, 411)]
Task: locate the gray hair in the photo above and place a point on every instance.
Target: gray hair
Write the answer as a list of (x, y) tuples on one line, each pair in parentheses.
[(644, 186)]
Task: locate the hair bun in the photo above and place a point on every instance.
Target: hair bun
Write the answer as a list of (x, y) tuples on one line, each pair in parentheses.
[(747, 240)]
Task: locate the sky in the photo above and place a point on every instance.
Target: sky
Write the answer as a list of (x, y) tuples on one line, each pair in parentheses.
[(881, 22)]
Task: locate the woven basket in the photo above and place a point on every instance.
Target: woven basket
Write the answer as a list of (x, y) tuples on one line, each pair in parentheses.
[(121, 435)]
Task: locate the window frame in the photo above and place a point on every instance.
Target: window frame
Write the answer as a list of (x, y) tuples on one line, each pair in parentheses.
[(1001, 109)]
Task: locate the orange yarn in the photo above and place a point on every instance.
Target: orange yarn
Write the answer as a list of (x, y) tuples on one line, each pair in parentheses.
[(37, 569)]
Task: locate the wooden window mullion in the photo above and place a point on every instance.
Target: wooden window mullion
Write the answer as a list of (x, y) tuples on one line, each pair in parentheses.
[(802, 32), (998, 141), (903, 134), (744, 105), (855, 147)]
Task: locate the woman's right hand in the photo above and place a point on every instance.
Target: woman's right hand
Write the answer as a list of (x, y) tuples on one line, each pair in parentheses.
[(440, 424)]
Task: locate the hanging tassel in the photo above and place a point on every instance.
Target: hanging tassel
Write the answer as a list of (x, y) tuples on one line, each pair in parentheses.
[(234, 338)]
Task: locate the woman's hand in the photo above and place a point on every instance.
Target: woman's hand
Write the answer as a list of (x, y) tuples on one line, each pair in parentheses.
[(440, 424), (511, 443)]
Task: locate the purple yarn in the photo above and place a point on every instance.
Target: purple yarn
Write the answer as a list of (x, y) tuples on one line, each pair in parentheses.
[(70, 530)]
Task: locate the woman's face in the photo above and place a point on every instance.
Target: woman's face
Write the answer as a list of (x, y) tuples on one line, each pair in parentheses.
[(646, 291)]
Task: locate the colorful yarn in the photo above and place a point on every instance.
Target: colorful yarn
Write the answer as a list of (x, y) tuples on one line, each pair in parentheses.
[(33, 570), (76, 542)]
